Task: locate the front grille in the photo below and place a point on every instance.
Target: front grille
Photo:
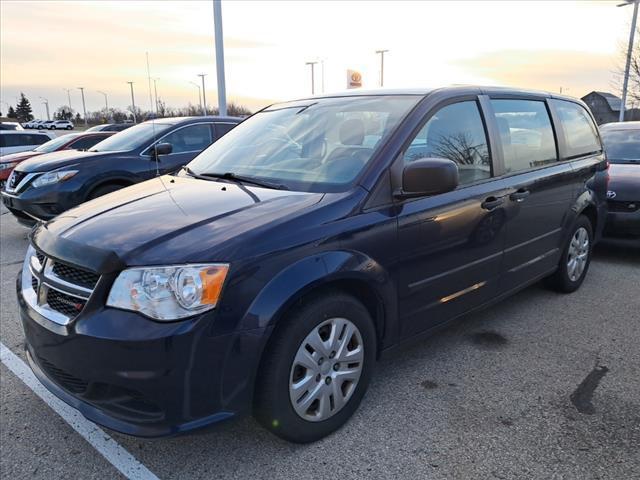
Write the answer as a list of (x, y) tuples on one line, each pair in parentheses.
[(65, 379), (34, 283), (40, 257), (619, 206), (63, 303), (15, 179), (75, 275)]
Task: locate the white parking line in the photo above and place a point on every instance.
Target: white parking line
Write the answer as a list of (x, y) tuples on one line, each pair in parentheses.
[(115, 454)]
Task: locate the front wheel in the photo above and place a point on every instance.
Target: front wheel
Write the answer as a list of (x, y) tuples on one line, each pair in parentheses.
[(575, 259), (69, 127), (316, 368), (52, 128)]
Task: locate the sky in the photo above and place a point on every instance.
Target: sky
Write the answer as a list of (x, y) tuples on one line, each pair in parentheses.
[(47, 47)]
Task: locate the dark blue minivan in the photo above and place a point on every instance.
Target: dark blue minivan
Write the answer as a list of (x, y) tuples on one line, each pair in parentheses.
[(271, 272)]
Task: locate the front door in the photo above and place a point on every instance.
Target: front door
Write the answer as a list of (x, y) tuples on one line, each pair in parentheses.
[(450, 245)]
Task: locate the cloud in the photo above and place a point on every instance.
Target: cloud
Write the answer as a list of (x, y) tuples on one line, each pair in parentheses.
[(577, 72)]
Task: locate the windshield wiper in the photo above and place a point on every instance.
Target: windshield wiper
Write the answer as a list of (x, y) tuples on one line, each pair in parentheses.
[(236, 178)]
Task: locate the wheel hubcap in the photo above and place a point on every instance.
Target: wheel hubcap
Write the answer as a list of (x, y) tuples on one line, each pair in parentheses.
[(326, 369), (578, 254)]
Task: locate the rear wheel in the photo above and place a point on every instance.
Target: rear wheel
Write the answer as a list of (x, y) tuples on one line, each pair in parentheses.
[(104, 189), (575, 259), (69, 127), (316, 368)]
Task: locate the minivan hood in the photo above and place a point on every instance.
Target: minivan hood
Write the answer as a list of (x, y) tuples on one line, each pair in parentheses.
[(55, 160), (167, 220), (624, 180)]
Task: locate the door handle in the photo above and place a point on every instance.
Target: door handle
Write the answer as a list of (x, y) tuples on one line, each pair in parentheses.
[(520, 195), (492, 202)]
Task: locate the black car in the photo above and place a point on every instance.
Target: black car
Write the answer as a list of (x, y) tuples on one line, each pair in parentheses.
[(622, 145), (43, 187), (269, 274), (110, 127)]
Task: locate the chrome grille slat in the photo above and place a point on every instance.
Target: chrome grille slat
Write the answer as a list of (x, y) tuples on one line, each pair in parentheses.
[(48, 286)]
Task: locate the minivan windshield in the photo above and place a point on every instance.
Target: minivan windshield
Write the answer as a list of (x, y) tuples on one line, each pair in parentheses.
[(622, 146), (131, 138), (315, 145)]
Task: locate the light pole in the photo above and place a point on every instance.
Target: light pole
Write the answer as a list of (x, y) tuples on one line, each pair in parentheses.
[(217, 25), (313, 84), (625, 82), (382, 52), (199, 96), (46, 104), (68, 97), (133, 103), (322, 74), (204, 95), (84, 108), (106, 104), (155, 91)]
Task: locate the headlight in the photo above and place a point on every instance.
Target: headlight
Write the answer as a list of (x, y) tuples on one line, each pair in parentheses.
[(53, 177), (8, 165), (169, 293)]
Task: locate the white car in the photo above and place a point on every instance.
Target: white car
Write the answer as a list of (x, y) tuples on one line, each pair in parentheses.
[(34, 124), (8, 125), (60, 125), (13, 141)]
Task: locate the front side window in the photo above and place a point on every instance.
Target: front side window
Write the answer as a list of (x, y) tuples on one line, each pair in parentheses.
[(193, 138), (526, 134), (38, 139), (223, 128), (86, 143), (316, 145), (455, 132), (580, 132)]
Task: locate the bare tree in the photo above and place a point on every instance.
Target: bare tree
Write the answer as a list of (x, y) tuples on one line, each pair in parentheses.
[(633, 88)]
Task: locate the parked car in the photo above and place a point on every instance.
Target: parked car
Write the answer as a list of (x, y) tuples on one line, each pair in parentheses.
[(60, 125), (622, 144), (41, 188), (110, 127), (12, 141), (34, 124), (47, 124), (71, 141), (10, 125), (271, 272)]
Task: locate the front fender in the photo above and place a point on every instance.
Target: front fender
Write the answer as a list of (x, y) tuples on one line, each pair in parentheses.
[(316, 271)]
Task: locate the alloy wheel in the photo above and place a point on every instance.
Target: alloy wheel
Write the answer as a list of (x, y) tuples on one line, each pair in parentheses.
[(578, 254)]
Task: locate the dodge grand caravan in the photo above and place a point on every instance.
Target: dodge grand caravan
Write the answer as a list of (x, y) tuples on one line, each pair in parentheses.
[(270, 273)]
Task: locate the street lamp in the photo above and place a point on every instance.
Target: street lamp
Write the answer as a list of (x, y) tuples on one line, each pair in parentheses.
[(46, 104), (133, 103), (68, 90), (84, 108), (313, 85), (217, 25), (382, 52), (204, 95), (106, 104), (199, 96), (625, 82)]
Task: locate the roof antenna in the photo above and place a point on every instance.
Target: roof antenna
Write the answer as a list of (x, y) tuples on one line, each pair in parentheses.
[(153, 118)]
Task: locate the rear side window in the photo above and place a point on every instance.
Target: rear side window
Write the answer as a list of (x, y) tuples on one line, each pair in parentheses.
[(526, 134), (455, 132), (580, 132), (37, 139), (86, 143), (19, 140)]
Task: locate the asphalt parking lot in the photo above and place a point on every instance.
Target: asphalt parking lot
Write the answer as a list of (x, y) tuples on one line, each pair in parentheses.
[(542, 385)]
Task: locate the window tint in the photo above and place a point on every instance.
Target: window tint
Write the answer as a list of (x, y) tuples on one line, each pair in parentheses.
[(190, 139), (526, 133), (455, 132), (18, 140), (37, 139), (86, 142), (222, 128), (579, 129)]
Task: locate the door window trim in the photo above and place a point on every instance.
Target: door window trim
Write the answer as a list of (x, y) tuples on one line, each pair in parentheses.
[(145, 152), (398, 164)]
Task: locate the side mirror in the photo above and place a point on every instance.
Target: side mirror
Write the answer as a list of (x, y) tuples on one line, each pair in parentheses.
[(161, 149), (428, 176)]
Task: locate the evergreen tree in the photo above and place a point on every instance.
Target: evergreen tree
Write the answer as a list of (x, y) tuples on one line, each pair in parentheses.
[(11, 113), (23, 109)]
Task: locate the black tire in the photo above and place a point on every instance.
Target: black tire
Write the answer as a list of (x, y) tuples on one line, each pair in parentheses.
[(69, 128), (561, 281), (273, 407), (104, 189), (53, 127)]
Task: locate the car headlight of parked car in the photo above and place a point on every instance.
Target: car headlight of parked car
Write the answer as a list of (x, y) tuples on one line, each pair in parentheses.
[(7, 165), (169, 292), (53, 177)]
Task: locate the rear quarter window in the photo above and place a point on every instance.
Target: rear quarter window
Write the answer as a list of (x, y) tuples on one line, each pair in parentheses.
[(580, 132)]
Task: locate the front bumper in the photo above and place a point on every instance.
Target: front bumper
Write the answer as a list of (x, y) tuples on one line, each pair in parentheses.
[(28, 211), (623, 223), (140, 377)]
